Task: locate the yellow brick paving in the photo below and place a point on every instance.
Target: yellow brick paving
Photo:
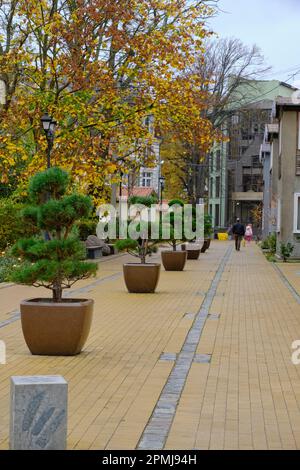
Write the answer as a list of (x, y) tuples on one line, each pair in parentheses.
[(247, 397), (115, 383)]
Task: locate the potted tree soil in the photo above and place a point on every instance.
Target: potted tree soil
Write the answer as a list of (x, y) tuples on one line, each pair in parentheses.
[(54, 260), (208, 230), (174, 260)]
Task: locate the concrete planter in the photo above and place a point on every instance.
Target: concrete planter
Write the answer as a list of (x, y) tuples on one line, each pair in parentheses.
[(205, 245), (174, 260), (56, 329), (141, 278), (192, 252)]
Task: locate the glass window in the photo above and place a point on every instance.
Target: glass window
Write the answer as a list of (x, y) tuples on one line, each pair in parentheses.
[(218, 160), (217, 215), (297, 213), (146, 180), (218, 186)]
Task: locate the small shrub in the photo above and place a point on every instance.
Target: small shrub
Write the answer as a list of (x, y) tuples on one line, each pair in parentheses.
[(147, 201), (86, 227), (269, 243), (178, 202), (286, 250)]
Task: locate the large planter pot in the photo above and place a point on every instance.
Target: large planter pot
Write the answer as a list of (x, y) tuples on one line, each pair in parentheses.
[(192, 253), (56, 329), (173, 260), (141, 278), (205, 245)]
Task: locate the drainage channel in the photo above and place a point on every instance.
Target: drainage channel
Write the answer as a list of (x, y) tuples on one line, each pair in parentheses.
[(156, 432), (15, 315)]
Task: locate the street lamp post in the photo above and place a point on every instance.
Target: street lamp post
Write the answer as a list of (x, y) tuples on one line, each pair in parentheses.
[(162, 187), (49, 125)]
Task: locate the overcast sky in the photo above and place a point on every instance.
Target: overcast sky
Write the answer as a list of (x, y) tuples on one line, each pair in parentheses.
[(274, 25)]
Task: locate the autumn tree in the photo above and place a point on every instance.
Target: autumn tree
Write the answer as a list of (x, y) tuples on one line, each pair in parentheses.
[(99, 68), (226, 72)]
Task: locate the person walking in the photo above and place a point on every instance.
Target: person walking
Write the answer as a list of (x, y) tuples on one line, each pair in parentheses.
[(248, 233), (238, 231)]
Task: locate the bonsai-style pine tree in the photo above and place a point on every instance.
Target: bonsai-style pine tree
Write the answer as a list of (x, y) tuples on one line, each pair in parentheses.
[(178, 203), (55, 259), (142, 247)]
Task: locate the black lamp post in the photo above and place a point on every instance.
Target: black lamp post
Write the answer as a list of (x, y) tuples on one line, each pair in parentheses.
[(49, 125), (162, 187)]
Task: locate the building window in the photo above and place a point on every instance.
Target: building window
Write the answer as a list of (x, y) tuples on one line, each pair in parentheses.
[(279, 216), (298, 163), (211, 162), (146, 179), (218, 186), (218, 160), (217, 215), (297, 213), (211, 187)]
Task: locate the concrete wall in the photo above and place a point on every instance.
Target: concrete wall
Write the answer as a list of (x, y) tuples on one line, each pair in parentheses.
[(267, 196), (289, 182)]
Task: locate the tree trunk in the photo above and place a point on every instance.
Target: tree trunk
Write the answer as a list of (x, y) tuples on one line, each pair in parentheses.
[(57, 292)]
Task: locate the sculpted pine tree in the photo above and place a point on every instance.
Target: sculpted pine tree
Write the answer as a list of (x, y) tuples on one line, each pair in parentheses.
[(55, 259)]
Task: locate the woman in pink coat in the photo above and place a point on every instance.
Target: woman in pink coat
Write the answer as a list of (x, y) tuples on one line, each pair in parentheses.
[(249, 233)]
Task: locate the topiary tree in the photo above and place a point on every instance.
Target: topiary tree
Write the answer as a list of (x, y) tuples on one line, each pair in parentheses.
[(173, 240), (143, 246), (55, 258)]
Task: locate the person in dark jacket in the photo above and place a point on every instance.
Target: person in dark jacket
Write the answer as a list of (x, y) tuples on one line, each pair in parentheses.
[(238, 231)]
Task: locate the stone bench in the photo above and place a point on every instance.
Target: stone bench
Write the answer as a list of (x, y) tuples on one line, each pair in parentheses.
[(94, 252), (96, 248)]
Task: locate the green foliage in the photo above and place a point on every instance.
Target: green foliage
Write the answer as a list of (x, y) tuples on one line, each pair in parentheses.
[(7, 264), (126, 244), (178, 202), (86, 227), (55, 259), (51, 183), (12, 225), (144, 245), (147, 201), (286, 250), (269, 243), (208, 227)]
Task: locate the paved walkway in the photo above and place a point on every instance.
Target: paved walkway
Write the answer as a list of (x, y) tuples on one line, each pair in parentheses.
[(205, 363)]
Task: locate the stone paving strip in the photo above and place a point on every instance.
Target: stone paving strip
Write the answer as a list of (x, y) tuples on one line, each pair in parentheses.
[(156, 432)]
